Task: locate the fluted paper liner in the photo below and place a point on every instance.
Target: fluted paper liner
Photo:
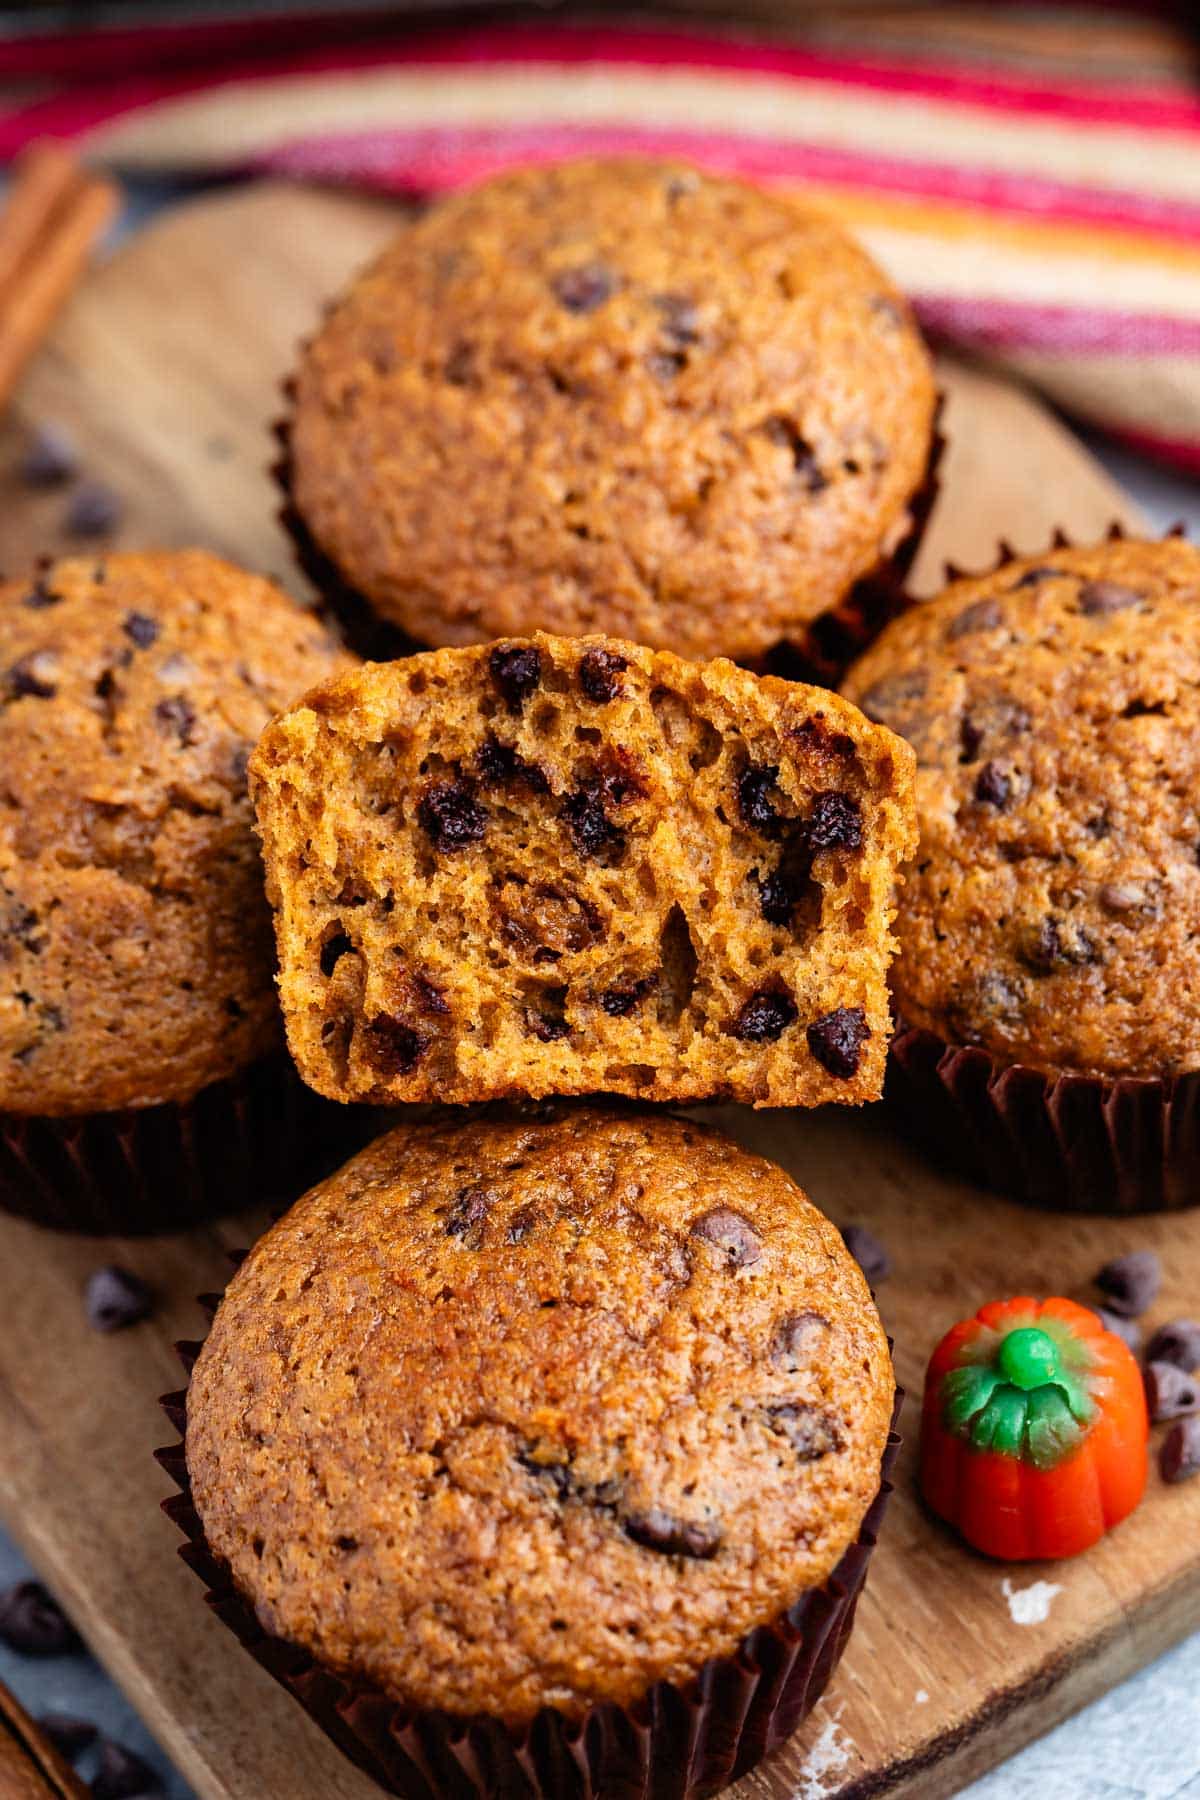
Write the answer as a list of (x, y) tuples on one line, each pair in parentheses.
[(677, 1742)]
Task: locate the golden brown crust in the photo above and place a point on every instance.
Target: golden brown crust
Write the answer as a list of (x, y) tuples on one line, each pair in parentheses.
[(564, 865), (135, 947), (539, 1411), (1053, 915), (613, 396)]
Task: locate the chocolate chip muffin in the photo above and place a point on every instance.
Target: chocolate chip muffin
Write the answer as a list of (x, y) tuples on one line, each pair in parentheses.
[(135, 946), (615, 396), (529, 1415), (563, 865), (1053, 914)]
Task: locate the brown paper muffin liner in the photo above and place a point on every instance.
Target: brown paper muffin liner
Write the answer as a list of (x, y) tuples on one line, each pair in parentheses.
[(1065, 1143), (677, 1742), (822, 656), (256, 1136)]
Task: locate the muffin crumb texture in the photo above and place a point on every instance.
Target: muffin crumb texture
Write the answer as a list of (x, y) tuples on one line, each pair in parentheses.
[(1053, 913), (135, 943), (538, 1411), (613, 396), (573, 865)]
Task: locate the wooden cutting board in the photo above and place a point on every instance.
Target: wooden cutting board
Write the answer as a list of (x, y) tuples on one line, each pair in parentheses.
[(166, 369)]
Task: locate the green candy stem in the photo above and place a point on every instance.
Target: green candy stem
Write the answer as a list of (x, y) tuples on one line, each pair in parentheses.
[(1028, 1399), (1028, 1358)]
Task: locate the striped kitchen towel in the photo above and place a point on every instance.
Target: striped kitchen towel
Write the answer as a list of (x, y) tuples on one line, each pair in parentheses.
[(1030, 174)]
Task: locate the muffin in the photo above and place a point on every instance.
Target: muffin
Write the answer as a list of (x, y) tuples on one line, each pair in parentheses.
[(136, 966), (1051, 922), (612, 396), (475, 1441), (564, 865)]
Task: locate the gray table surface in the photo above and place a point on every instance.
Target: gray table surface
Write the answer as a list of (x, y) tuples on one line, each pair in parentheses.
[(1140, 1742)]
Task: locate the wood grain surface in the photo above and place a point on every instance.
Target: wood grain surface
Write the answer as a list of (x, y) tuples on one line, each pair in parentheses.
[(166, 369), (30, 1767)]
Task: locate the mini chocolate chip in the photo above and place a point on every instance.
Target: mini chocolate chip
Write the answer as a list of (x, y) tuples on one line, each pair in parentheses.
[(1131, 1283), (834, 823), (592, 831), (583, 289), (40, 597), (332, 952), (49, 458), (459, 366), (29, 676), (429, 996), (765, 1016), (981, 615), (69, 1734), (1179, 1458), (836, 1040), (867, 1252), (1100, 598), (1034, 577), (656, 1529), (730, 1232), (786, 434), (1128, 1330), (777, 897), (94, 511), (469, 1211), (393, 1045), (681, 318), (116, 1298), (178, 715), (1057, 944), (993, 786), (970, 737), (1177, 1342), (810, 1430), (618, 1001), (450, 816), (755, 805), (665, 365), (33, 1623), (516, 671), (599, 675), (794, 1339), (892, 694), (141, 628), (122, 1775), (548, 1021), (1170, 1392), (498, 765)]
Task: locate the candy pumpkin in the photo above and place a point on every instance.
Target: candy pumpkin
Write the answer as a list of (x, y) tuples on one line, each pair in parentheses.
[(1034, 1430)]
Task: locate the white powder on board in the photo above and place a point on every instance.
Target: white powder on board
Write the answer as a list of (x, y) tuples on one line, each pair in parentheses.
[(1031, 1605), (828, 1756)]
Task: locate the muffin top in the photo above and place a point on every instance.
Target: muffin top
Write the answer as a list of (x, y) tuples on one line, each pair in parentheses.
[(136, 960), (613, 396), (538, 1410), (1053, 913)]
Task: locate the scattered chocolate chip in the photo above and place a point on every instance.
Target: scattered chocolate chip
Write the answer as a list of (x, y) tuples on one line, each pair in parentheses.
[(1034, 578), (765, 1016), (786, 434), (468, 1214), (777, 897), (583, 289), (755, 805), (33, 1623), (332, 952), (29, 676), (617, 1002), (177, 715), (1170, 1391), (1058, 944), (599, 675), (810, 1430), (70, 1735), (116, 1298), (450, 816), (867, 1252), (392, 1045), (516, 671), (1100, 598), (592, 831), (658, 1530), (1179, 1458), (50, 457), (1177, 1342), (795, 1337), (981, 615), (499, 765), (731, 1233), (834, 823), (94, 511), (1128, 1330), (837, 1040), (141, 628), (1130, 1284), (123, 1775), (993, 786)]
